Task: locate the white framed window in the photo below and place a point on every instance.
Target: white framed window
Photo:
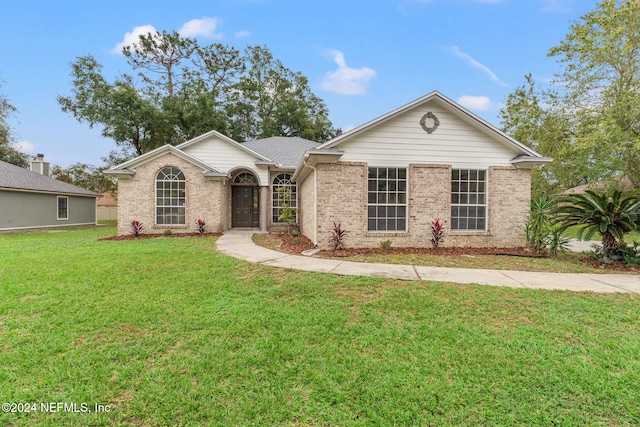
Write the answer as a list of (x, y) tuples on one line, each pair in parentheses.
[(170, 197), (245, 178), (468, 200), (284, 194), (387, 199), (63, 207)]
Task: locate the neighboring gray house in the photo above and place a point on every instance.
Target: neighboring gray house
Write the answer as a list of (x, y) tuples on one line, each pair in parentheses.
[(34, 200)]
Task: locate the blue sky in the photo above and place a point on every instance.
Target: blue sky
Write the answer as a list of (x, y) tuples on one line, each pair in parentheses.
[(363, 58)]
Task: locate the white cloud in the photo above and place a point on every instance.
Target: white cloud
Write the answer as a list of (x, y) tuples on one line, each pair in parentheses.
[(132, 37), (460, 54), (24, 146), (345, 80), (477, 103), (241, 34), (205, 27)]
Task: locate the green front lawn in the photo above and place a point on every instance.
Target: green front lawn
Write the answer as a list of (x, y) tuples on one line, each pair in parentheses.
[(167, 332), (630, 237)]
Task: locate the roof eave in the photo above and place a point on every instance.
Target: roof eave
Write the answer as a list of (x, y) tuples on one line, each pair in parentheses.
[(225, 139), (59, 193), (311, 158), (120, 172), (153, 154), (528, 162)]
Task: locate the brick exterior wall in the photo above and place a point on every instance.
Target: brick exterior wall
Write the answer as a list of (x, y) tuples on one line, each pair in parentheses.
[(342, 197), (307, 212), (342, 190), (205, 199)]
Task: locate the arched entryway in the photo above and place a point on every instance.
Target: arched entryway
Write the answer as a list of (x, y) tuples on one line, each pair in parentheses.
[(245, 201)]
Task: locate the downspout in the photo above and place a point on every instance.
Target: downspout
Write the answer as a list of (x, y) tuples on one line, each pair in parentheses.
[(315, 202)]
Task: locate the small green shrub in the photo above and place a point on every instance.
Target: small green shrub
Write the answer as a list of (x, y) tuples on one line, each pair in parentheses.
[(539, 229), (288, 214), (557, 243), (168, 232), (627, 254), (385, 244)]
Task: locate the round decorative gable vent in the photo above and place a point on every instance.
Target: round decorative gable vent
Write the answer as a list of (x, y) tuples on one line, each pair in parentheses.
[(429, 122)]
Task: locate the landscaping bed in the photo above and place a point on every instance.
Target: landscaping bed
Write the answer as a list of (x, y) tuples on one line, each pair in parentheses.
[(154, 235), (495, 258)]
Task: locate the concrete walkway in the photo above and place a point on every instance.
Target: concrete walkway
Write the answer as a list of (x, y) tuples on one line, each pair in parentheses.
[(238, 243)]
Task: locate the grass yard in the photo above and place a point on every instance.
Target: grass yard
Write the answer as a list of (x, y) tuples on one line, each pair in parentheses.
[(166, 332), (633, 236), (567, 263)]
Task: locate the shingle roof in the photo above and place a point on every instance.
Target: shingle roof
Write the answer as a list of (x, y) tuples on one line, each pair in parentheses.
[(107, 200), (286, 151), (15, 177)]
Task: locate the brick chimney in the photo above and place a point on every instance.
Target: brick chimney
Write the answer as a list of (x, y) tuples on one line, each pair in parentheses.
[(38, 165)]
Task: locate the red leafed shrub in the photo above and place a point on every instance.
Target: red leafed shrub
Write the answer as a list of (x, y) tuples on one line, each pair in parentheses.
[(437, 233), (136, 226), (201, 225), (338, 235)]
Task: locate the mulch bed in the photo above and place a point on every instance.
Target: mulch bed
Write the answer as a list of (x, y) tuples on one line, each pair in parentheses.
[(297, 244), (618, 266), (154, 235)]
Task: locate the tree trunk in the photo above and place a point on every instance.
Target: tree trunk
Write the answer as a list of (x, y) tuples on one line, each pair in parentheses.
[(609, 242)]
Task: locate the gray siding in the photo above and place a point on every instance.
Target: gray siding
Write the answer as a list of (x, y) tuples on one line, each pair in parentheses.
[(30, 210)]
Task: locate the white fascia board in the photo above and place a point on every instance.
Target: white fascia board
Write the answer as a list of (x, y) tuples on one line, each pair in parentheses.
[(313, 157), (527, 162), (154, 154), (225, 139)]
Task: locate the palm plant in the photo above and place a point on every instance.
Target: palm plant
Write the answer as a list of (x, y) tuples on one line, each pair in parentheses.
[(610, 215), (539, 225)]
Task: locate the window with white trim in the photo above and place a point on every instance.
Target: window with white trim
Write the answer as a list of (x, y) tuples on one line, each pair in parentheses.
[(63, 207), (387, 199), (284, 195), (170, 197), (468, 200)]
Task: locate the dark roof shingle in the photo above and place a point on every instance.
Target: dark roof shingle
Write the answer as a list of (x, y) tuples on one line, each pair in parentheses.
[(15, 177), (286, 151)]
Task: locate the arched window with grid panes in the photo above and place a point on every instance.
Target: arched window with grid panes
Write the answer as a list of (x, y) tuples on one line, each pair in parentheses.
[(171, 197), (284, 195)]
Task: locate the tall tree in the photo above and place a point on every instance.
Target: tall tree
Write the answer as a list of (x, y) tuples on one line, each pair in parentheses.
[(183, 89), (86, 176), (271, 100), (8, 153), (125, 115), (592, 110), (529, 117)]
